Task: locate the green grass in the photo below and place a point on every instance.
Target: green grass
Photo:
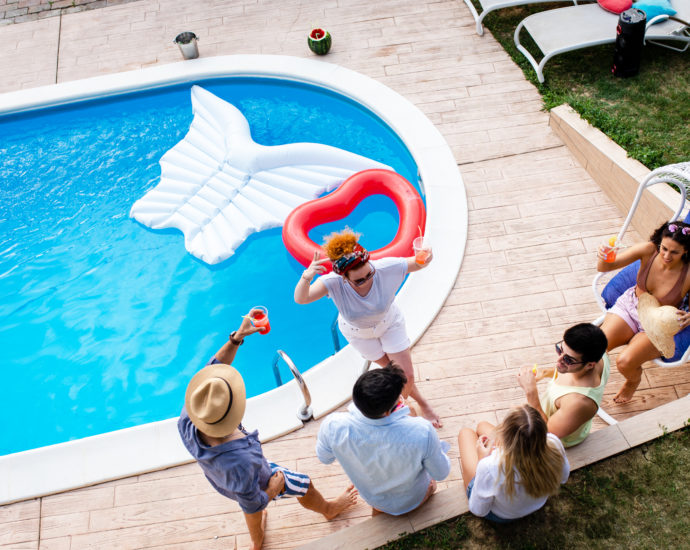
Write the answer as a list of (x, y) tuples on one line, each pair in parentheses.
[(638, 499), (648, 115)]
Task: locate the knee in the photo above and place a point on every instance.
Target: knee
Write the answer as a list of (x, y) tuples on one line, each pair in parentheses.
[(627, 364), (466, 434)]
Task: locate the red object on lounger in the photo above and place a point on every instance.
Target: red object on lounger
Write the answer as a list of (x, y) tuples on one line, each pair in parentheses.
[(615, 6)]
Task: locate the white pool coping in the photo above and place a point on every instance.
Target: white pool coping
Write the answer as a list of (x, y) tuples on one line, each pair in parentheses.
[(157, 445)]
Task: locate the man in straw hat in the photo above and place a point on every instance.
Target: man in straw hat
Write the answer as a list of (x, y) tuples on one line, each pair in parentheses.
[(230, 457), (573, 395)]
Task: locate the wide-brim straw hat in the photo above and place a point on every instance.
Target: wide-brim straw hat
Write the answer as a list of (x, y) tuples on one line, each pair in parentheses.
[(659, 322), (215, 399)]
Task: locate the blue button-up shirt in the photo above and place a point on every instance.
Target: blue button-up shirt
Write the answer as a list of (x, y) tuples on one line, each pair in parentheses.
[(237, 469), (390, 460)]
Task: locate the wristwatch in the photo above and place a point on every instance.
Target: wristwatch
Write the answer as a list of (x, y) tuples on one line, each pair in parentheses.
[(232, 339)]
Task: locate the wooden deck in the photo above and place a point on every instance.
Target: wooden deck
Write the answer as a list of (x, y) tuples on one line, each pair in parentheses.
[(535, 219)]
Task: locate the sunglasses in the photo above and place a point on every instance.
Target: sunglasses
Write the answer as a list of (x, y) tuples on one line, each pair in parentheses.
[(361, 281), (567, 359)]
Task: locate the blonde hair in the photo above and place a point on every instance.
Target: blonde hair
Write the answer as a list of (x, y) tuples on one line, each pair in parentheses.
[(339, 243), (527, 451)]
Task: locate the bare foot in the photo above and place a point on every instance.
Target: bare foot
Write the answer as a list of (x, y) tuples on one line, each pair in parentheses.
[(375, 512), (626, 392), (431, 416), (257, 545), (344, 501)]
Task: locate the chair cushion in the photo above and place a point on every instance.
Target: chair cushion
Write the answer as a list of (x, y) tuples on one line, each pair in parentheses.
[(652, 8), (615, 6), (621, 282)]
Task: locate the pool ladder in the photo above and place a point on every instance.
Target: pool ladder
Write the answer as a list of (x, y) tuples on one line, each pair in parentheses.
[(304, 413)]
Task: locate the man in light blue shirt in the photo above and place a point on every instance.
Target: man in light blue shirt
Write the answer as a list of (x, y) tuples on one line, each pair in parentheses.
[(391, 457)]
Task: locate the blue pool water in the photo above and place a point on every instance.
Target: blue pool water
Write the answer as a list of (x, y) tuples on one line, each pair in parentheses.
[(103, 320)]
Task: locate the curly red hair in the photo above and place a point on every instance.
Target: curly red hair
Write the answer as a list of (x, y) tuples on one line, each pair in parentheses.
[(339, 243)]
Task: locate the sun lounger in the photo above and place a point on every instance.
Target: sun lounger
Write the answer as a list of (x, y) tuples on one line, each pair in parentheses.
[(678, 175), (575, 27), (492, 5)]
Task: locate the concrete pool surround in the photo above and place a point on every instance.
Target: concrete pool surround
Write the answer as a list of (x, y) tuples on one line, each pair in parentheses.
[(157, 445)]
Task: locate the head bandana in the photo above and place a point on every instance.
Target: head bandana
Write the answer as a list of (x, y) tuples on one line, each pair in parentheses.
[(346, 262)]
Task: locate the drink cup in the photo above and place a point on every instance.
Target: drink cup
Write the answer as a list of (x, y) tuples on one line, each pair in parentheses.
[(260, 319), (610, 248), (422, 250)]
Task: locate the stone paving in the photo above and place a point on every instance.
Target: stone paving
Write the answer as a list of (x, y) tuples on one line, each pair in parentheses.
[(535, 220), (21, 11)]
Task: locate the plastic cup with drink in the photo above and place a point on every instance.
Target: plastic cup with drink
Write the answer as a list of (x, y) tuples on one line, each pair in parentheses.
[(422, 250), (259, 318), (610, 248)]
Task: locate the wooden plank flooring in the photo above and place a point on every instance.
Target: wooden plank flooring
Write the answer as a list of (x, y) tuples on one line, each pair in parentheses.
[(535, 219)]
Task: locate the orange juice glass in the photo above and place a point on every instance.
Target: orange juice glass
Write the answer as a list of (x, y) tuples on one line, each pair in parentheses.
[(260, 319), (422, 250), (611, 248)]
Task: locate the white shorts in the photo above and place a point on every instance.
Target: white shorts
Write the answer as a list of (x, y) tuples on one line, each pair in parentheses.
[(387, 336)]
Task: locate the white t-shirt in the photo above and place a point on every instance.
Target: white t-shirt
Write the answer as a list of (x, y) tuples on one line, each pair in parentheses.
[(367, 311), (488, 493)]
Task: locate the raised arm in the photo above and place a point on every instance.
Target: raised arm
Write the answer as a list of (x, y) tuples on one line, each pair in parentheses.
[(527, 379), (624, 257), (413, 266), (226, 354), (305, 292)]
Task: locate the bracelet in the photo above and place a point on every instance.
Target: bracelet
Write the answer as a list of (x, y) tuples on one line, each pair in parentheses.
[(305, 278), (232, 339)]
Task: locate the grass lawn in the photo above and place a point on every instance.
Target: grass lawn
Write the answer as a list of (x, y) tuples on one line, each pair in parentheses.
[(638, 499), (648, 115)]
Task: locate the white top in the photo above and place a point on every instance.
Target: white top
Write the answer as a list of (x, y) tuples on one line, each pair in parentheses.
[(366, 311), (488, 491)]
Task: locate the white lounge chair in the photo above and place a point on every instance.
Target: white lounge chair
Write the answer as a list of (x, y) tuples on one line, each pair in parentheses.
[(492, 5), (575, 27), (678, 175)]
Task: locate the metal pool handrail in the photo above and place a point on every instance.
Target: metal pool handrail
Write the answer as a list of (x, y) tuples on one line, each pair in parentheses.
[(305, 412)]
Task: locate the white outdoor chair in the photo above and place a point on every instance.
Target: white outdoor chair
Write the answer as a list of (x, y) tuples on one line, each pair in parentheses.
[(678, 175), (583, 26), (492, 5)]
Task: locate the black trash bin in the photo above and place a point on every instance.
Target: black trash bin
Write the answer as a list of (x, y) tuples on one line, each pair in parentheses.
[(629, 40)]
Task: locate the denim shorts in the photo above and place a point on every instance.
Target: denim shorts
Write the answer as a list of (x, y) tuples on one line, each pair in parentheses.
[(490, 516)]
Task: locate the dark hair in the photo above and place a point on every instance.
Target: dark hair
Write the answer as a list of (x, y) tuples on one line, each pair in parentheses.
[(678, 235), (588, 340), (376, 391)]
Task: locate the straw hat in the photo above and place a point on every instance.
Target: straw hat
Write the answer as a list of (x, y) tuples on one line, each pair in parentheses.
[(216, 399), (659, 322)]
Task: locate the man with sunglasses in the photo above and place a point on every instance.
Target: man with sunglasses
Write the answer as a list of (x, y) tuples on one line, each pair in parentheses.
[(574, 393), (392, 458)]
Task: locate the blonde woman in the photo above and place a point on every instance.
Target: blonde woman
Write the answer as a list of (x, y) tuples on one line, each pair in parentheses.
[(510, 470), (364, 293)]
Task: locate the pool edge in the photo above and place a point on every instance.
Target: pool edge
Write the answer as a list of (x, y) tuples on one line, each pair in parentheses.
[(156, 445)]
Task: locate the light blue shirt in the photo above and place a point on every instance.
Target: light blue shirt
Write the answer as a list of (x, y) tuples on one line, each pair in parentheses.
[(390, 460)]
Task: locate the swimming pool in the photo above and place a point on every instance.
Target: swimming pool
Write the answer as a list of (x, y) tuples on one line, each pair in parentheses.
[(156, 445), (124, 316)]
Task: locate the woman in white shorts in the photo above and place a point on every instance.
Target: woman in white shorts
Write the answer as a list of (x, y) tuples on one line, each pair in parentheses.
[(364, 293)]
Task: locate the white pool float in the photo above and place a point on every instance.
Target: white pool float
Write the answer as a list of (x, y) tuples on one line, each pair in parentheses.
[(218, 186)]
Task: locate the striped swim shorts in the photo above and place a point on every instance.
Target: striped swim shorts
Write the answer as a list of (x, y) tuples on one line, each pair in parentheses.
[(296, 484)]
